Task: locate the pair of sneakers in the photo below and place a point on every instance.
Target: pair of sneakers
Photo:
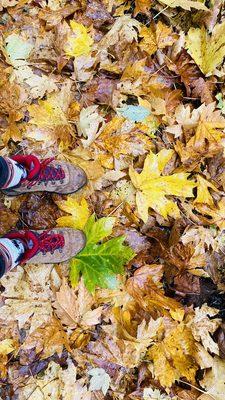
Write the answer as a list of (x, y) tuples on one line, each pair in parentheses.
[(51, 246)]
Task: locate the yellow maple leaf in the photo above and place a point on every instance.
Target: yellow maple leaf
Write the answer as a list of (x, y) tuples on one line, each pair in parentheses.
[(208, 51), (153, 187), (203, 194), (156, 37), (176, 354), (79, 213), (80, 42), (47, 114), (48, 119)]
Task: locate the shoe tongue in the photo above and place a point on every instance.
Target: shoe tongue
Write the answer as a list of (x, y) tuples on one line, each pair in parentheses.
[(29, 240), (31, 163)]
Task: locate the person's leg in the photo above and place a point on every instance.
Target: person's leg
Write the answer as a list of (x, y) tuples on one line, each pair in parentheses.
[(11, 173)]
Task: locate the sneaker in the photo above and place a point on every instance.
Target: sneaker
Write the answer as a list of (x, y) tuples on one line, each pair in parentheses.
[(48, 175), (50, 246)]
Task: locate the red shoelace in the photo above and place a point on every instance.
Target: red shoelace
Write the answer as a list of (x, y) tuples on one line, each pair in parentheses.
[(44, 242), (47, 173), (39, 172)]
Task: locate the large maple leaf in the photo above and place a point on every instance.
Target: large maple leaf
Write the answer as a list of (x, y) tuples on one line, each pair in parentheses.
[(207, 51), (153, 187), (99, 263)]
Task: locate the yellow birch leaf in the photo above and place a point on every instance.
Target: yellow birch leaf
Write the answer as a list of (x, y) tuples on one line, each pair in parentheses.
[(176, 354), (80, 42), (208, 51), (79, 213), (203, 194), (153, 187), (6, 346), (156, 37)]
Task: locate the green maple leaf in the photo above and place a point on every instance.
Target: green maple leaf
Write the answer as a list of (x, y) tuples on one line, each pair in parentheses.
[(99, 263)]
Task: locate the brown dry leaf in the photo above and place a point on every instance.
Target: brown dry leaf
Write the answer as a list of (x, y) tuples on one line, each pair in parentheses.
[(146, 288), (213, 381), (8, 219), (48, 119), (142, 6), (57, 381), (74, 307), (27, 297), (203, 327), (207, 138), (117, 351), (156, 37), (217, 214), (48, 339)]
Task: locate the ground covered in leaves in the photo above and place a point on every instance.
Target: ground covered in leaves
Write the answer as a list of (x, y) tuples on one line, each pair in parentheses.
[(133, 92)]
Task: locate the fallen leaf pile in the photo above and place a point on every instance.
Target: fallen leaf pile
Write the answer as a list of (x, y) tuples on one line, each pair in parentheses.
[(133, 92)]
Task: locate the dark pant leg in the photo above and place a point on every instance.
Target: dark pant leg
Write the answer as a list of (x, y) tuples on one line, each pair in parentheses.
[(4, 172), (2, 265)]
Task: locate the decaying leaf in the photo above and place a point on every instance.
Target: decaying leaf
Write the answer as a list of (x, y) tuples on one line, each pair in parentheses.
[(48, 339), (90, 124), (203, 327)]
